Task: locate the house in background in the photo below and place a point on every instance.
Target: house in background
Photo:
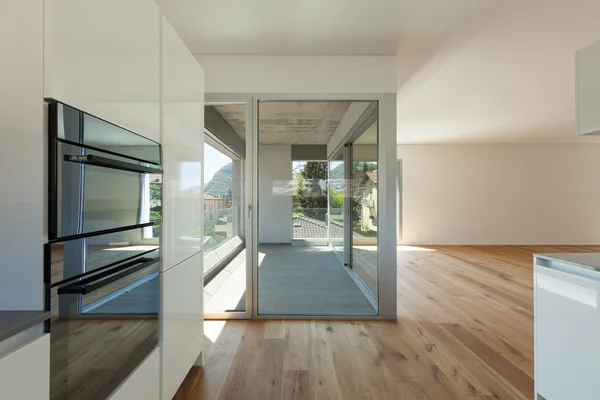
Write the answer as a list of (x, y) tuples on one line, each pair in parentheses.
[(212, 202), (369, 202)]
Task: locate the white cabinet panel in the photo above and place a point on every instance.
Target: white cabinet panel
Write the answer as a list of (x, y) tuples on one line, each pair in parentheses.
[(182, 331), (182, 139), (567, 322), (588, 89), (22, 146), (143, 383), (103, 58), (25, 373)]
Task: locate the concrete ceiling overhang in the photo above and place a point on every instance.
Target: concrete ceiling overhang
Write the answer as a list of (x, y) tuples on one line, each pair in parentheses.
[(289, 122)]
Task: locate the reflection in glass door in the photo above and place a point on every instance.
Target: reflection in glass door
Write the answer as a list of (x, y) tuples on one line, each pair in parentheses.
[(364, 198), (336, 206)]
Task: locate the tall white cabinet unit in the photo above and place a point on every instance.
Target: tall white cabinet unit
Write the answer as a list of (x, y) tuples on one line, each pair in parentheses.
[(22, 148), (24, 357), (137, 73), (182, 139), (24, 372), (588, 89), (103, 57)]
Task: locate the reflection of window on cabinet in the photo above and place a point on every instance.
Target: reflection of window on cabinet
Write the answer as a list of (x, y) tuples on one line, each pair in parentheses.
[(151, 203)]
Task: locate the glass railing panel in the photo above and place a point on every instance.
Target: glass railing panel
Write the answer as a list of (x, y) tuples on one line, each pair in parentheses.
[(220, 225)]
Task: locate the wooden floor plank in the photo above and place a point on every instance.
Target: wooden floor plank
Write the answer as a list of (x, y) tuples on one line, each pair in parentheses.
[(275, 330), (295, 357), (518, 378), (295, 385), (464, 331), (218, 359)]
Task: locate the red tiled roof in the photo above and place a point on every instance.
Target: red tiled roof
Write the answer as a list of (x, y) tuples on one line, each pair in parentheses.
[(372, 176)]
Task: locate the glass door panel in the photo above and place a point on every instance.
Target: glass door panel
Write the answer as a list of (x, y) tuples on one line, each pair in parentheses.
[(302, 240), (336, 206), (225, 264), (364, 198)]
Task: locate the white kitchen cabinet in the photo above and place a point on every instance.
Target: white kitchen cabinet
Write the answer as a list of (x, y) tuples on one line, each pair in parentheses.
[(182, 331), (103, 57), (143, 383), (588, 89), (182, 139), (25, 372), (22, 148), (567, 324)]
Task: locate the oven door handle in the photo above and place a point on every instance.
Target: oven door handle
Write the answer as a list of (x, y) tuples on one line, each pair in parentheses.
[(99, 161), (96, 282)]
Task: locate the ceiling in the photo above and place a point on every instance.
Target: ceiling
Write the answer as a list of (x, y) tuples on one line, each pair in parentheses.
[(315, 26), (235, 115), (306, 122), (506, 78), (469, 71)]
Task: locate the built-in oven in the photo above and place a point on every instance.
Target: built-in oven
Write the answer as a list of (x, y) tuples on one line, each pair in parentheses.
[(102, 258)]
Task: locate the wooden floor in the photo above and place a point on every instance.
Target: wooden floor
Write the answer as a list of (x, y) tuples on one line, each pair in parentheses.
[(364, 263), (464, 331)]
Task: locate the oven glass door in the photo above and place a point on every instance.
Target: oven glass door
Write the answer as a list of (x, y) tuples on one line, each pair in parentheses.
[(104, 322), (93, 197)]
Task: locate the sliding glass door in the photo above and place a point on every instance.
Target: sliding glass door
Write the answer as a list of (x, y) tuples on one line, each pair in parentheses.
[(292, 204), (337, 200), (364, 209), (225, 201)]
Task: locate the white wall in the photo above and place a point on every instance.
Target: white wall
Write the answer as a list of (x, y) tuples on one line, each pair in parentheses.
[(22, 154), (500, 194), (274, 201), (299, 74)]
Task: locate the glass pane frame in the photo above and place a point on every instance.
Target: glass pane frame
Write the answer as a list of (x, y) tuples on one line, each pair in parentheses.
[(387, 195), (246, 202)]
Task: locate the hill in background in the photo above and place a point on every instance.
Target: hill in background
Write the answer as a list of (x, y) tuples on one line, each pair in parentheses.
[(221, 182)]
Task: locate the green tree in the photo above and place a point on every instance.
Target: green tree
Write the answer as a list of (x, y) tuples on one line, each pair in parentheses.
[(212, 238), (155, 206), (336, 199), (311, 194)]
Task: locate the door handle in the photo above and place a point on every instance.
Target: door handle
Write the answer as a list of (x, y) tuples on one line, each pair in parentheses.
[(249, 211)]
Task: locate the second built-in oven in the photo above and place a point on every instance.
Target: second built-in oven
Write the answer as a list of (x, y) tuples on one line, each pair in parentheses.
[(102, 258)]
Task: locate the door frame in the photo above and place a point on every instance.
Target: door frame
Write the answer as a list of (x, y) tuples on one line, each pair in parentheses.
[(245, 215), (386, 151)]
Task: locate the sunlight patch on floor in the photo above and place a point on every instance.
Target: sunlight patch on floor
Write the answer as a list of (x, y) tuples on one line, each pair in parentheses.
[(213, 329), (132, 248), (413, 248)]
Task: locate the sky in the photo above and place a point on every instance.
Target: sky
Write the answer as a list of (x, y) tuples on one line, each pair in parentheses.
[(214, 160)]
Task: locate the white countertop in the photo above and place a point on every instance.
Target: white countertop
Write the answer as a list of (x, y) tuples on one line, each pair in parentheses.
[(589, 261)]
